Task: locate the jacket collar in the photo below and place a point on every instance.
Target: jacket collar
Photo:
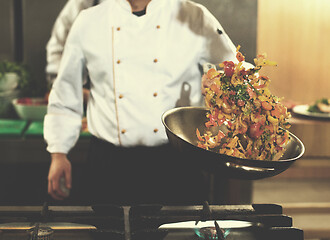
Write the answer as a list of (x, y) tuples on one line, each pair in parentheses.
[(153, 4)]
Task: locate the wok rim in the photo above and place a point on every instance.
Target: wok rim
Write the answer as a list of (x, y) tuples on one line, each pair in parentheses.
[(232, 159)]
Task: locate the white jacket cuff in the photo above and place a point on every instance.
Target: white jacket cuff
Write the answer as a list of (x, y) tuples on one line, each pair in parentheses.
[(61, 132)]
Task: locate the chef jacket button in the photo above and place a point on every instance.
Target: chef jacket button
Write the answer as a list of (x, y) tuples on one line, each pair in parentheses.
[(155, 130), (118, 28), (155, 94), (123, 131), (121, 96), (158, 27), (155, 60), (118, 61)]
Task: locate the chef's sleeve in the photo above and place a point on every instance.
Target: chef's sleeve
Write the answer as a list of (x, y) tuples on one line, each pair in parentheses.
[(218, 46), (62, 123)]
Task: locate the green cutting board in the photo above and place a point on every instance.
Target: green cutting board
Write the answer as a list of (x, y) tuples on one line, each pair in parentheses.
[(12, 128), (35, 129)]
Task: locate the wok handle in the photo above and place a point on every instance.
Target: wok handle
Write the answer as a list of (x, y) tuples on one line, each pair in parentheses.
[(249, 168)]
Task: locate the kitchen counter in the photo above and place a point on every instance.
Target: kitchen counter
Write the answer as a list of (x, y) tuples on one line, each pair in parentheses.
[(315, 135)]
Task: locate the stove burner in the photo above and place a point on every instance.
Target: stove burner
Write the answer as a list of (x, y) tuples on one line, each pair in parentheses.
[(41, 233), (209, 230), (211, 233)]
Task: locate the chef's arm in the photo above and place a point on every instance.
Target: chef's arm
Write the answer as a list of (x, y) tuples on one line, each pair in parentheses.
[(62, 123), (62, 126), (60, 167)]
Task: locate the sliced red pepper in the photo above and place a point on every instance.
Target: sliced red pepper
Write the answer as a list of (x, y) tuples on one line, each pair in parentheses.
[(209, 124), (215, 88), (229, 68), (240, 57), (220, 135), (198, 134), (213, 119), (212, 73), (266, 105), (255, 131), (275, 113)]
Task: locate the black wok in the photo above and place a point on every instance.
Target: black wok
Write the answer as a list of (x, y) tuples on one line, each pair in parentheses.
[(181, 123)]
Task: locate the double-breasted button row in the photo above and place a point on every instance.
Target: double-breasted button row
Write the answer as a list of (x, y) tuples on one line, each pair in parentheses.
[(118, 28), (120, 96), (155, 61), (123, 131)]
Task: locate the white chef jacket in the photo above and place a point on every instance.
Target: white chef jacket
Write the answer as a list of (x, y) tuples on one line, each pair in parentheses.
[(138, 67)]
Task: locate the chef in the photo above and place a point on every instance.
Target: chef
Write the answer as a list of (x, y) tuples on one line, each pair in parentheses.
[(140, 65)]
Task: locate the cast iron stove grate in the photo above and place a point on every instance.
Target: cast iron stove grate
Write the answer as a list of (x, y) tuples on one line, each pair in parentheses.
[(148, 222)]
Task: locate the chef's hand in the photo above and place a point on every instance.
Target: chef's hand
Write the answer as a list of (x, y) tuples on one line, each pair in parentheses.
[(60, 167)]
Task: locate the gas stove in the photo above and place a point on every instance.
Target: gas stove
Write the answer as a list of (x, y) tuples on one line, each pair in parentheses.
[(147, 222)]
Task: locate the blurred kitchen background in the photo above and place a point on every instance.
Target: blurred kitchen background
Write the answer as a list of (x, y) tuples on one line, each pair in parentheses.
[(294, 33)]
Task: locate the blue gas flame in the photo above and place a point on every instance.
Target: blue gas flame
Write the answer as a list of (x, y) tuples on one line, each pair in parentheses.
[(210, 233)]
